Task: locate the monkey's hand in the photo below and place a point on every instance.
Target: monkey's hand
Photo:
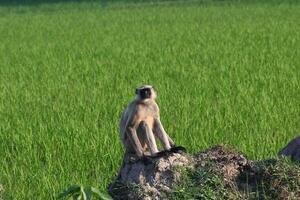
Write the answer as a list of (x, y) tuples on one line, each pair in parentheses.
[(178, 149), (174, 149)]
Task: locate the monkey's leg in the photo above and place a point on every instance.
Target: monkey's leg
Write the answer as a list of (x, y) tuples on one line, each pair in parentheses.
[(132, 135), (149, 137), (162, 135)]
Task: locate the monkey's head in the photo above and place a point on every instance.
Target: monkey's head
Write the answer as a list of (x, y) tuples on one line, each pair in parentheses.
[(145, 92)]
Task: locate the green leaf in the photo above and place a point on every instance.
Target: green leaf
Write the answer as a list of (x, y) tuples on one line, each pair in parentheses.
[(83, 192), (101, 195), (88, 192), (77, 197), (69, 192)]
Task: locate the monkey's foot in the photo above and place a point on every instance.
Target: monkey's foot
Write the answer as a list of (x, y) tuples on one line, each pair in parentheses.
[(161, 154), (146, 159)]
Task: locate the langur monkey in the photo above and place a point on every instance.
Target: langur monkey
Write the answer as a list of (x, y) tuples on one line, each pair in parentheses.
[(140, 124)]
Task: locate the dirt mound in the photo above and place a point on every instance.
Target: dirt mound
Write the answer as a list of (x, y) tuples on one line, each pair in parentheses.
[(217, 173), (223, 160), (149, 180)]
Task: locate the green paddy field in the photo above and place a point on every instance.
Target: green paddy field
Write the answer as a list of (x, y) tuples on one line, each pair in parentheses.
[(226, 72)]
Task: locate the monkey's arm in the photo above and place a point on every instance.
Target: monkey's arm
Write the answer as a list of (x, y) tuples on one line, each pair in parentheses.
[(168, 143), (162, 135), (172, 143)]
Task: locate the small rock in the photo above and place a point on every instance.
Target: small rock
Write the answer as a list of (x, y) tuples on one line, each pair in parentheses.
[(292, 149)]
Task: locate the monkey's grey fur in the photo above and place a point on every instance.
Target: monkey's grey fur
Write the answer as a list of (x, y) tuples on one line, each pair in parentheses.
[(140, 124)]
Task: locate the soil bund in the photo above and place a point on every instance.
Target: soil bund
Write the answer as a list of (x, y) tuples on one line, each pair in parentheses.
[(217, 173)]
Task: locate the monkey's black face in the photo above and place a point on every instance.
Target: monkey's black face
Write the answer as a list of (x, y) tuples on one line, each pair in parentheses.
[(145, 93)]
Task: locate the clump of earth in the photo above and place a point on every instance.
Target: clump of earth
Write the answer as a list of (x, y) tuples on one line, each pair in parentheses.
[(217, 173)]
